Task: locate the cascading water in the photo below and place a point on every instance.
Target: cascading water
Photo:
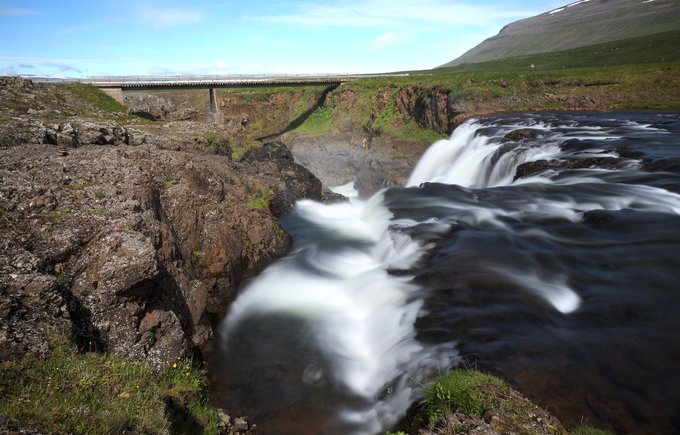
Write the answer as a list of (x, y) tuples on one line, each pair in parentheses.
[(505, 244)]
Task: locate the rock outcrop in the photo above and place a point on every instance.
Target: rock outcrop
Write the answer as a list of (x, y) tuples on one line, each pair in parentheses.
[(135, 247), (155, 108)]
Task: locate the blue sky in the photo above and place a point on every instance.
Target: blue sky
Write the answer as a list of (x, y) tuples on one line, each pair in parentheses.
[(135, 37)]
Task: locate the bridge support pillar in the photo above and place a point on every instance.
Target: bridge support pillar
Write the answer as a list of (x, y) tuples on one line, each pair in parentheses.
[(215, 111)]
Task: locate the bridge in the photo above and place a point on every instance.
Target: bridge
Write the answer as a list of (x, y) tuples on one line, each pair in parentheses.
[(115, 85)]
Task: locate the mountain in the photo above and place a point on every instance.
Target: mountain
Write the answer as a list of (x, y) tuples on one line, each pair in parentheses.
[(579, 24)]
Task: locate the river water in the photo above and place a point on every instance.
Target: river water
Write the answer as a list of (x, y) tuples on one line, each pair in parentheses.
[(551, 259)]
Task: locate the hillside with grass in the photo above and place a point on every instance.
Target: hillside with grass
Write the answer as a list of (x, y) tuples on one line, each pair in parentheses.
[(579, 24)]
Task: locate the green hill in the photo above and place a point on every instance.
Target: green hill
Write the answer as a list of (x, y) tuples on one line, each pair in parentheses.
[(580, 24), (651, 49)]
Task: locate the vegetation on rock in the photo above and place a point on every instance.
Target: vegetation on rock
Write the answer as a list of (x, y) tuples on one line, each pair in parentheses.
[(469, 401)]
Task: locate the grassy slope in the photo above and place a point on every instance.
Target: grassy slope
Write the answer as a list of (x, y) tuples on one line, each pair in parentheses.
[(97, 393), (658, 48)]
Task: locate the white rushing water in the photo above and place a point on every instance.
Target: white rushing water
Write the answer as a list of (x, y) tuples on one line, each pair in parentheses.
[(363, 316)]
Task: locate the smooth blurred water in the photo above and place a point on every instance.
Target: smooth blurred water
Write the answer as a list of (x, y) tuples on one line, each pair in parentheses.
[(564, 281)]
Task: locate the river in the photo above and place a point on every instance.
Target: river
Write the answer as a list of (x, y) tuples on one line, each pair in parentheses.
[(550, 257)]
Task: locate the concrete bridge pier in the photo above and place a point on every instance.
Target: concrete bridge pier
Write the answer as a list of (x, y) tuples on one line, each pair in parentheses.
[(215, 112), (115, 92)]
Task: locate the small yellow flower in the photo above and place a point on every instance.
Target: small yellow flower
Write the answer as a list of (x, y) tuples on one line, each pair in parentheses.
[(174, 366)]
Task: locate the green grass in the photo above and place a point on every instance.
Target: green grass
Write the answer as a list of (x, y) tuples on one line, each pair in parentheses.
[(95, 393), (95, 97), (584, 429), (185, 385), (472, 392), (81, 393), (458, 391), (319, 122)]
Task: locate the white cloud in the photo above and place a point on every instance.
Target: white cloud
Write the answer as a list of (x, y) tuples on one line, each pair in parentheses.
[(384, 40), (11, 11), (165, 18), (394, 13)]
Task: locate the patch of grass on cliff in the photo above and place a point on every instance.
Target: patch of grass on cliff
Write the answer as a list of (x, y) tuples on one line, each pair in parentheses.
[(94, 393), (471, 392), (459, 391), (319, 122), (95, 97)]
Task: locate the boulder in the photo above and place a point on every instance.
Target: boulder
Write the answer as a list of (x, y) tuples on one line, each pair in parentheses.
[(521, 134)]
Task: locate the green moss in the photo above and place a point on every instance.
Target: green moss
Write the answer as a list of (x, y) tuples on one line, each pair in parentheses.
[(57, 217), (239, 149), (261, 202), (196, 257)]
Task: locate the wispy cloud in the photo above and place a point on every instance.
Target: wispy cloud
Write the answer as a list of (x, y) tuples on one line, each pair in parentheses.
[(383, 41), (165, 18), (12, 11), (62, 67), (393, 13)]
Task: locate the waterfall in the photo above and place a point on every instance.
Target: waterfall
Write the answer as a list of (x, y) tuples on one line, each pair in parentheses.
[(345, 303)]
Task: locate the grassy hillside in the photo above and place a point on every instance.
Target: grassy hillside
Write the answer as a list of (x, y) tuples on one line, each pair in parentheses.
[(578, 25), (658, 48)]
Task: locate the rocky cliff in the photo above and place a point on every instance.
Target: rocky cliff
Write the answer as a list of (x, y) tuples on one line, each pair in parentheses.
[(137, 247)]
